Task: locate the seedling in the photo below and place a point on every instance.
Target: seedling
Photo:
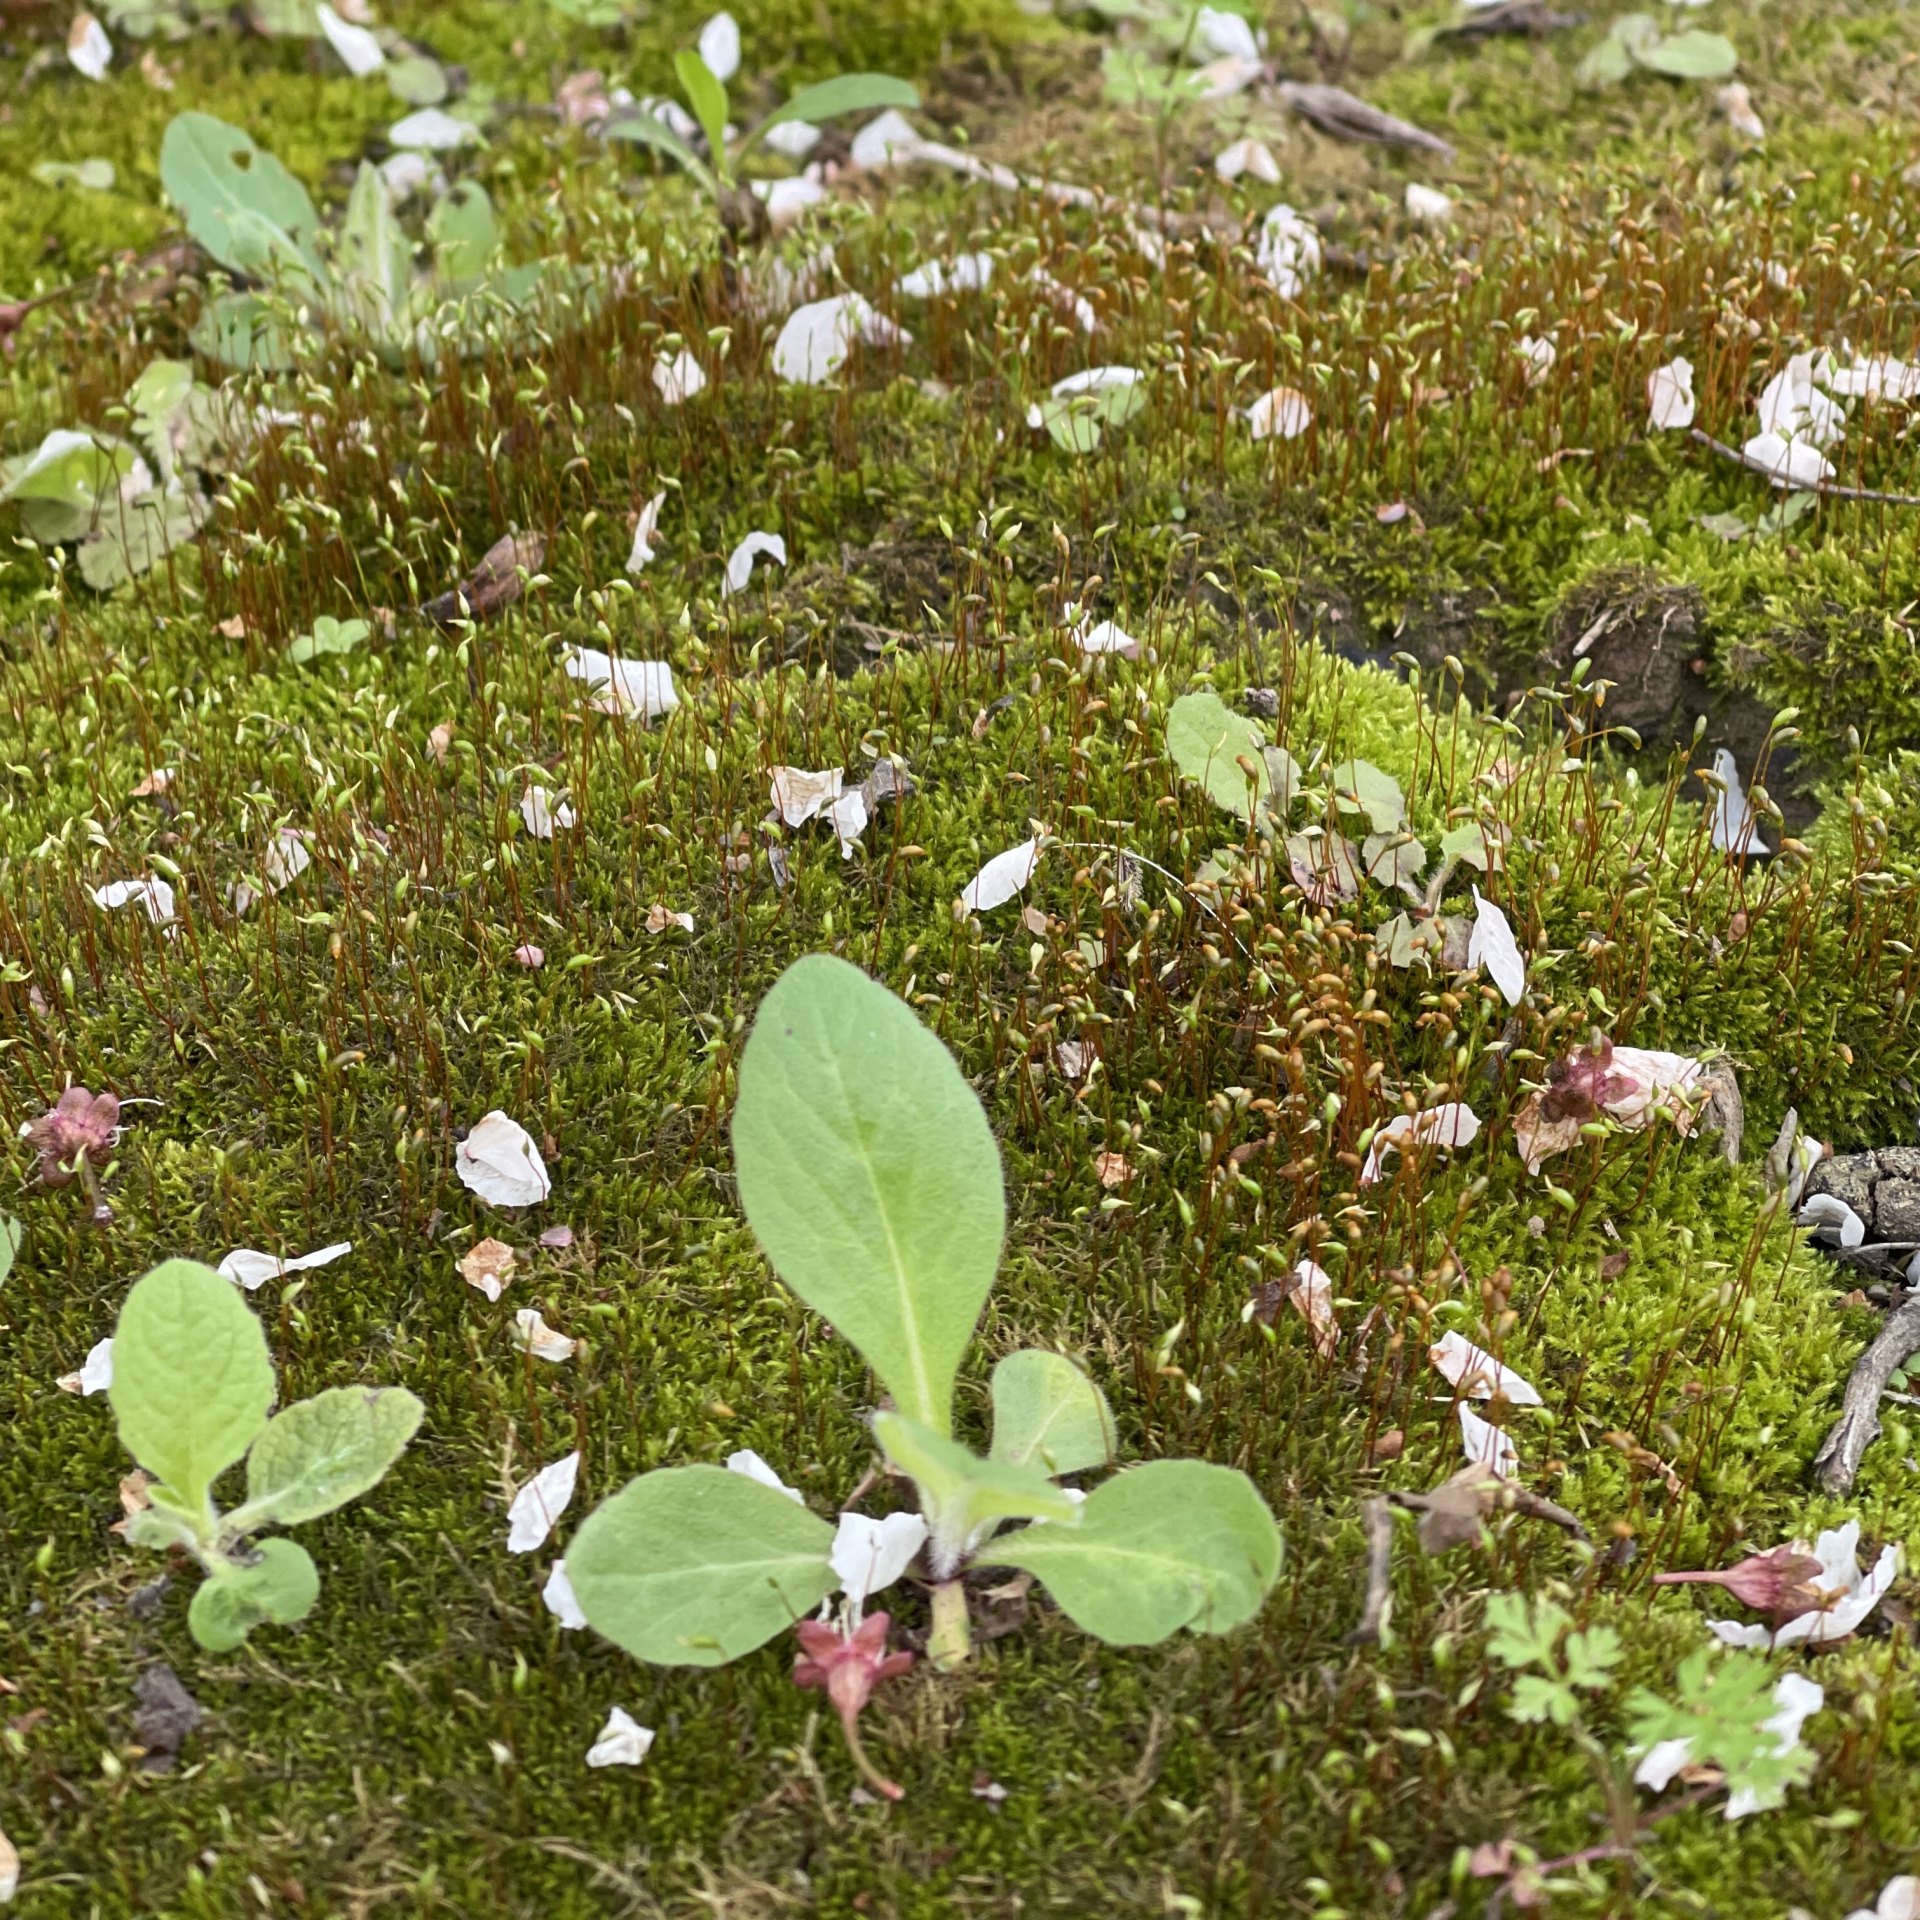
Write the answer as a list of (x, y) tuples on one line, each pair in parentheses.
[(872, 1181), (192, 1385), (717, 174), (257, 220)]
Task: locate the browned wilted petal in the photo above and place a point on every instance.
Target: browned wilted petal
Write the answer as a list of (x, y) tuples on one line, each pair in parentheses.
[(1776, 1583), (495, 584), (79, 1122)]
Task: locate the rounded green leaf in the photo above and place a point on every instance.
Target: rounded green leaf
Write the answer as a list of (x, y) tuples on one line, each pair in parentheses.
[(238, 201), (694, 1566), (1045, 1409), (1694, 55), (280, 1586), (1360, 787), (1173, 1544), (869, 1175), (318, 1454), (1208, 740), (192, 1380)]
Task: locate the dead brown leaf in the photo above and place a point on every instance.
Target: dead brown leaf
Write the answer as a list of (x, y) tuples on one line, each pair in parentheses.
[(495, 584)]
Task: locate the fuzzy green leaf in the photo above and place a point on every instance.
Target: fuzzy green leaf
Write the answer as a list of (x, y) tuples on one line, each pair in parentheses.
[(844, 93), (1207, 740), (463, 233), (1046, 1410), (960, 1492), (1176, 1543), (192, 1380), (238, 201), (694, 1566), (11, 1235), (869, 1175), (1694, 55), (248, 332), (279, 1587), (318, 1454), (1360, 787)]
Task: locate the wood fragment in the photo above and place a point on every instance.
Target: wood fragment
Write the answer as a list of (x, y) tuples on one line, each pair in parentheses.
[(1345, 116), (494, 585), (1376, 1516), (1858, 1426), (1512, 16)]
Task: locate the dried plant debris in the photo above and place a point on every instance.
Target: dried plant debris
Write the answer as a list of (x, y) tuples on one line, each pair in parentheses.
[(494, 585)]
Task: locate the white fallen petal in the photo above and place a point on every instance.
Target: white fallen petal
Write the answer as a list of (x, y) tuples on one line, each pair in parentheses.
[(249, 1268), (1899, 1900), (642, 689), (1064, 297), (152, 894), (1670, 396), (679, 379), (623, 1741), (1106, 637), (432, 130), (1880, 378), (540, 816), (1451, 1124), (1219, 35), (644, 530), (1737, 104), (1005, 875), (1248, 156), (1428, 205), (970, 273), (1283, 414), (1087, 380), (740, 560), (287, 857), (359, 51), (1795, 1698), (88, 49), (561, 1600), (1539, 356), (794, 138), (799, 795), (1487, 1445), (1828, 1214), (1476, 1373), (1661, 1762), (1312, 1295), (1793, 408), (540, 1503), (1288, 250), (499, 1161), (750, 1466), (1734, 827), (96, 1370), (870, 1555), (406, 173), (816, 338), (1796, 464), (849, 817), (886, 141), (1492, 945), (719, 46), (788, 199), (531, 1334)]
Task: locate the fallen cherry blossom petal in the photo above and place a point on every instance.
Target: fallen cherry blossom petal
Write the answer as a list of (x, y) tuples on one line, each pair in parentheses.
[(487, 1266), (95, 1374), (499, 1161), (559, 1598), (641, 688), (1004, 876), (531, 1334), (1474, 1372), (870, 1555), (740, 560), (250, 1269), (679, 379), (1487, 1445), (623, 1741), (1670, 396), (1283, 414), (1451, 1124), (750, 1466), (1493, 946), (644, 529), (538, 1504)]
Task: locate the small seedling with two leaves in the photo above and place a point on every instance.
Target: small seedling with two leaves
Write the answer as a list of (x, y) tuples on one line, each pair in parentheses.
[(192, 1386), (872, 1181)]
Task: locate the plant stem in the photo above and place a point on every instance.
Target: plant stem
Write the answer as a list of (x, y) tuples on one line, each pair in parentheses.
[(950, 1644)]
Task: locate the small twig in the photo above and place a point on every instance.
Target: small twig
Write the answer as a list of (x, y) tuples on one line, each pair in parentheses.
[(1858, 1426), (1831, 489), (1377, 1518)]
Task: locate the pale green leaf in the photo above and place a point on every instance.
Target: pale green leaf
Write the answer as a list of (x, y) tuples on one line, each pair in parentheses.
[(869, 1175), (1360, 787), (247, 331), (280, 1586), (372, 258), (693, 1566), (1694, 55), (418, 79), (66, 477), (960, 1492), (11, 1235), (1284, 779), (318, 1454), (649, 130), (134, 536), (1045, 1409), (708, 99), (844, 93), (238, 201), (192, 1380), (1173, 1544), (462, 232), (1207, 741)]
